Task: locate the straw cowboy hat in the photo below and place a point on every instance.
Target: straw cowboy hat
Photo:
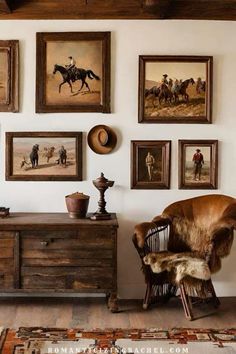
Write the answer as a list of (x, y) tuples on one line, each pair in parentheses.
[(102, 139)]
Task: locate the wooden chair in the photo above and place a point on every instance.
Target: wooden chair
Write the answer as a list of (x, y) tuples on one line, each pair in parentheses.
[(202, 226)]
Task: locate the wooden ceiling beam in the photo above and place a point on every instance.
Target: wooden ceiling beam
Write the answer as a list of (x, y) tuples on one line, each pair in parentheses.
[(160, 8), (4, 7), (121, 9), (204, 10)]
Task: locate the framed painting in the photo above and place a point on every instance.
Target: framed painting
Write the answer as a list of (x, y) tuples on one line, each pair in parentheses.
[(150, 164), (73, 72), (9, 77), (44, 156), (198, 164), (175, 89)]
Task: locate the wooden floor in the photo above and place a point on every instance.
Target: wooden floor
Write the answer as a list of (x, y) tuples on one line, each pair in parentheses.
[(93, 313)]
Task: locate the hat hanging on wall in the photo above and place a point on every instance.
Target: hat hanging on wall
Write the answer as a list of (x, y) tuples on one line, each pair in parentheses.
[(102, 139)]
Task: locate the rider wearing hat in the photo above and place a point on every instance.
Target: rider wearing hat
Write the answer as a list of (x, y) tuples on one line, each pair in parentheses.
[(164, 79), (72, 67), (72, 63)]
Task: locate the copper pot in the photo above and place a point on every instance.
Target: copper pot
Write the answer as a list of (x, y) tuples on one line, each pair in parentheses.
[(77, 205)]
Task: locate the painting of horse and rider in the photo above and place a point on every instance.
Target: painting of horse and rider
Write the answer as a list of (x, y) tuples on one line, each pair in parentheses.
[(77, 71), (175, 89), (43, 156)]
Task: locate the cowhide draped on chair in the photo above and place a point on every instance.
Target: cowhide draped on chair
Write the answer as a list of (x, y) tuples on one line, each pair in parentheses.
[(200, 227)]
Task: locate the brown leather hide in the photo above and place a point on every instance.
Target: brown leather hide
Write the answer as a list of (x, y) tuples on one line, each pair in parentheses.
[(203, 225)]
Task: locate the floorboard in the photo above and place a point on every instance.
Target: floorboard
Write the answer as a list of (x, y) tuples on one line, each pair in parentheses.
[(93, 313)]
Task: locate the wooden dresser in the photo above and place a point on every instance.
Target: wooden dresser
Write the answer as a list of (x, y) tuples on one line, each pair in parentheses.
[(51, 253)]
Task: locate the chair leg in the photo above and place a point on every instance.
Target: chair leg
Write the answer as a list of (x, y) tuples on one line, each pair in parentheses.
[(215, 299), (147, 296), (186, 301)]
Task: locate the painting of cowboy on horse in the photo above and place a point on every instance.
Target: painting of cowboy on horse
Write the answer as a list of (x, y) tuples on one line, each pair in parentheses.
[(175, 90), (70, 73), (74, 73)]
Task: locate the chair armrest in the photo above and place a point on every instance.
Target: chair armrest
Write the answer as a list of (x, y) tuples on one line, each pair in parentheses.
[(140, 233), (141, 230), (160, 220)]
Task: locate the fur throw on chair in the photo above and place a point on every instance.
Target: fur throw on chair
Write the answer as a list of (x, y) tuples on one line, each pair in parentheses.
[(180, 264)]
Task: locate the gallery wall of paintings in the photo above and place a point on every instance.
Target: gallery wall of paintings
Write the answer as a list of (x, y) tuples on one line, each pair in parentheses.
[(150, 104), (182, 95)]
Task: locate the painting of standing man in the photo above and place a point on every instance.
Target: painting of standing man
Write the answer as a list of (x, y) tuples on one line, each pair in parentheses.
[(150, 167)]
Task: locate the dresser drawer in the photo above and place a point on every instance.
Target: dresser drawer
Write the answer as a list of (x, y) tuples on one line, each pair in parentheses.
[(85, 247), (7, 235), (7, 243), (6, 248), (71, 278), (84, 238), (6, 273)]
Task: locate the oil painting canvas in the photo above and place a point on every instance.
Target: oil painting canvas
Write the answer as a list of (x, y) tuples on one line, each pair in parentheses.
[(9, 76), (175, 89), (4, 70), (150, 166), (198, 164), (44, 156), (73, 72)]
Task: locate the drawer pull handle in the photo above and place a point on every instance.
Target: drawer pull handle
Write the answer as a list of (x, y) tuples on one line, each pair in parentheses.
[(44, 243)]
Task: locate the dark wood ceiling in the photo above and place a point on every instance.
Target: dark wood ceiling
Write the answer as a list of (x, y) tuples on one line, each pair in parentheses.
[(4, 7), (118, 9)]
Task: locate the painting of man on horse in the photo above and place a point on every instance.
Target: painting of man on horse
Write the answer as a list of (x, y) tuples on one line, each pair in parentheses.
[(74, 73), (70, 74), (173, 90)]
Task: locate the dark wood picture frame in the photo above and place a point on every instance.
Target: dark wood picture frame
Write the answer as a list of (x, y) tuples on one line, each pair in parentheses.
[(10, 176), (11, 104), (143, 118), (213, 168), (42, 39), (164, 182)]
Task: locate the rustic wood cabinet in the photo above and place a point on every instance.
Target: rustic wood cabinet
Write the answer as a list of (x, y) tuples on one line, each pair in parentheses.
[(51, 253)]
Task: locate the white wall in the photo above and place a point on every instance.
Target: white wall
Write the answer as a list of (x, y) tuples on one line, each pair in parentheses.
[(129, 40)]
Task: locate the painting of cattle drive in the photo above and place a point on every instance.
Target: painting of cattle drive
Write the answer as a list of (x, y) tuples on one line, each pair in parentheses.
[(43, 156), (175, 89), (75, 74)]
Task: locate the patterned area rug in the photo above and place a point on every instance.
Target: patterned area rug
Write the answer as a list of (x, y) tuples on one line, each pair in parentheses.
[(152, 341)]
